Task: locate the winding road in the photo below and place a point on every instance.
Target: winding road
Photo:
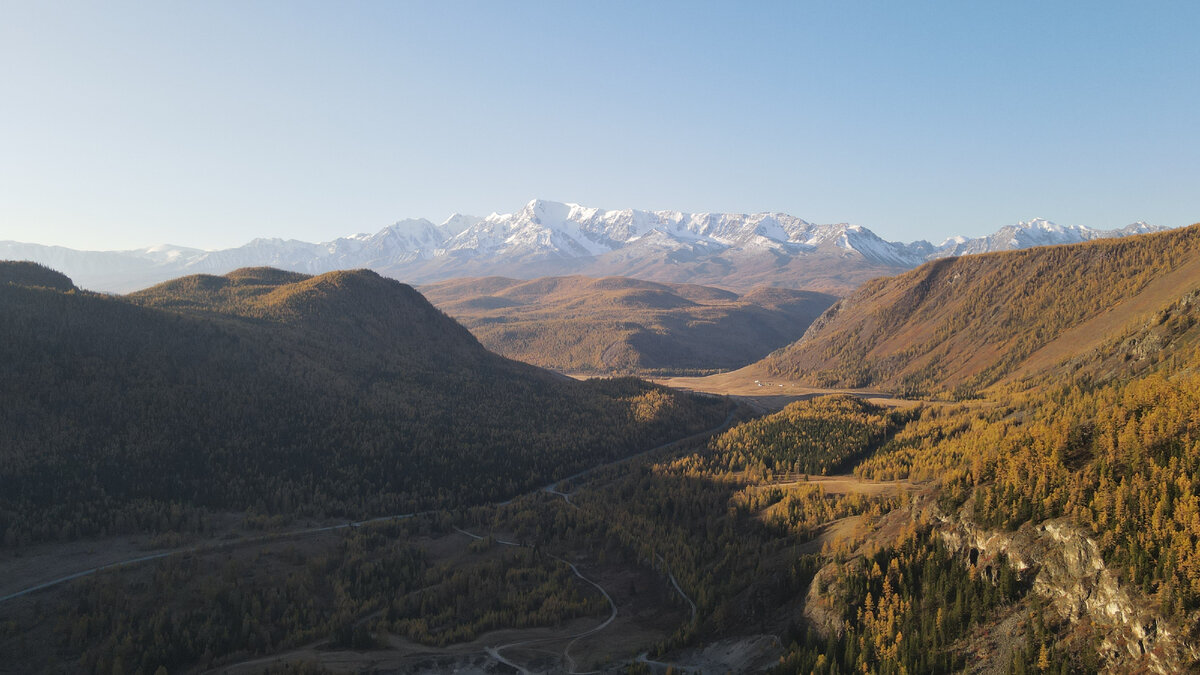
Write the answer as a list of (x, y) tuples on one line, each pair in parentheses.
[(315, 530), (675, 583), (216, 546), (495, 652)]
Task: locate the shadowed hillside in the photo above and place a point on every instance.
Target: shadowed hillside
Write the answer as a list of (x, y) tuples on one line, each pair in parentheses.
[(617, 324), (343, 394)]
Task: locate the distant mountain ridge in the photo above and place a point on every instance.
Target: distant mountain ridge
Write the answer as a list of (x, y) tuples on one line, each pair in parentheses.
[(553, 238)]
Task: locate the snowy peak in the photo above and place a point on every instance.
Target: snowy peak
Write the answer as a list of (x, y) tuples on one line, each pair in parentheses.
[(1035, 232), (458, 222), (167, 253), (409, 235), (1140, 227), (1038, 224), (551, 228), (542, 210), (875, 249), (569, 238), (410, 227), (548, 228)]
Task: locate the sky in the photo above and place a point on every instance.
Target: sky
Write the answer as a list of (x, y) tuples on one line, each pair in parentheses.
[(208, 124)]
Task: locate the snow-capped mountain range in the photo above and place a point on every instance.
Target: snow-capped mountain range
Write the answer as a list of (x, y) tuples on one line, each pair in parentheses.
[(547, 237)]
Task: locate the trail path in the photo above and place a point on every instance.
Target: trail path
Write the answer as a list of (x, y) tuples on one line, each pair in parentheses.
[(675, 583), (495, 652)]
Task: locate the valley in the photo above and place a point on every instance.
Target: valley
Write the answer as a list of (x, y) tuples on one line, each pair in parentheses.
[(30, 569), (633, 621), (765, 392), (953, 487), (745, 348), (302, 398), (617, 325)]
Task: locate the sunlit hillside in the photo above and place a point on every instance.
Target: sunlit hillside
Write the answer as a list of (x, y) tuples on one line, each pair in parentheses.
[(959, 325), (622, 325)]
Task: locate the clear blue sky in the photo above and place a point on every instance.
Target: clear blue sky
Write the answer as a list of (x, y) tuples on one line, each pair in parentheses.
[(210, 123)]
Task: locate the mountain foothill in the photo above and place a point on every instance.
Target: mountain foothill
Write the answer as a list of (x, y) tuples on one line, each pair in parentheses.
[(339, 395)]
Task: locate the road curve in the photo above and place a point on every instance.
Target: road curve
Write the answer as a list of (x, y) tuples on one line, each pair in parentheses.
[(216, 546), (597, 629), (675, 583), (494, 652)]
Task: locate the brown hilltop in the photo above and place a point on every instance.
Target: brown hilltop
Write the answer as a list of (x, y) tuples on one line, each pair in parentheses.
[(619, 324), (357, 305)]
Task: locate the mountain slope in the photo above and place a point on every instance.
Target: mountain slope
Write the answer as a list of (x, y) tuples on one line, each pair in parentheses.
[(547, 238), (616, 324), (970, 321), (342, 394)]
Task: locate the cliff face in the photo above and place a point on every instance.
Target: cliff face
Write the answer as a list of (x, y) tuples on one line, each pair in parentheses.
[(1063, 566), (1069, 572)]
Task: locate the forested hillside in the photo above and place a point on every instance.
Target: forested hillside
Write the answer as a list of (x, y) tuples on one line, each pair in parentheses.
[(958, 325), (623, 325), (1049, 526), (345, 394), (1102, 464)]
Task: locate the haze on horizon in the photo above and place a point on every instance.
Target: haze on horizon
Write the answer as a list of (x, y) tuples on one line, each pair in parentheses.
[(127, 125)]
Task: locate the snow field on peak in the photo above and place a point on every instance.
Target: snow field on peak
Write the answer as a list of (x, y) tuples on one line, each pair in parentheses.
[(549, 230)]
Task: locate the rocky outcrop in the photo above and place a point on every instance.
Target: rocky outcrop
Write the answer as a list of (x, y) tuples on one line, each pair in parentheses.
[(819, 609), (1063, 565), (1069, 572), (822, 604)]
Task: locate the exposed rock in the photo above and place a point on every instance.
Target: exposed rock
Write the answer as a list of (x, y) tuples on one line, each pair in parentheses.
[(818, 607), (821, 606), (1069, 572)]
